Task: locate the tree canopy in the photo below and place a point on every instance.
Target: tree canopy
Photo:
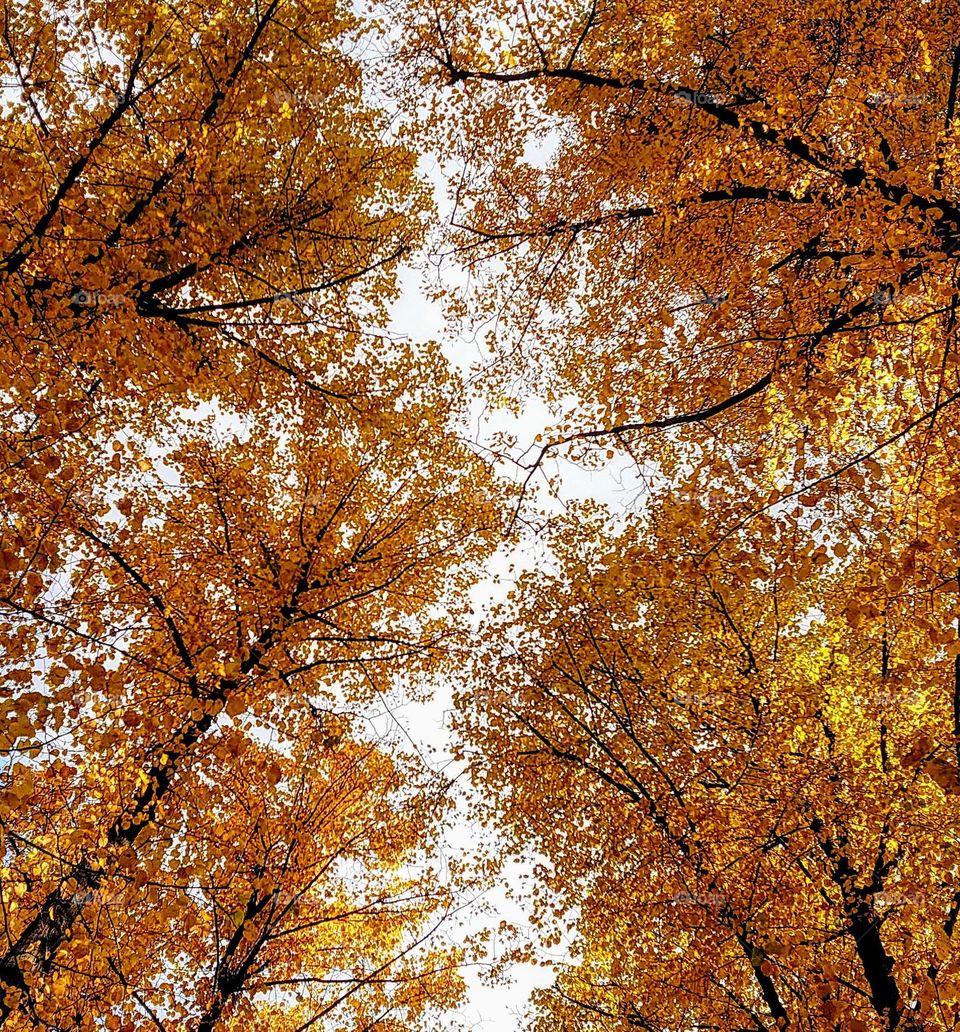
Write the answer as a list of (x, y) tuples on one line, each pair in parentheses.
[(232, 510), (719, 244), (721, 241)]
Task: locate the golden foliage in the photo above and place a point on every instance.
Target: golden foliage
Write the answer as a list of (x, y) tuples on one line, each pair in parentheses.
[(724, 242)]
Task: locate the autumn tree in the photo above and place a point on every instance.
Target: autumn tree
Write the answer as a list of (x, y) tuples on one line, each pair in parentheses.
[(725, 250), (204, 598), (194, 183), (746, 802), (278, 891), (749, 231), (232, 510), (720, 241)]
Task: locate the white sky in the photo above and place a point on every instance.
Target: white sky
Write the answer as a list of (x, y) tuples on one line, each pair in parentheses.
[(487, 1008)]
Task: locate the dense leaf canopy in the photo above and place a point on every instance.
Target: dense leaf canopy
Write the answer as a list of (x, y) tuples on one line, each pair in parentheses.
[(719, 244)]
